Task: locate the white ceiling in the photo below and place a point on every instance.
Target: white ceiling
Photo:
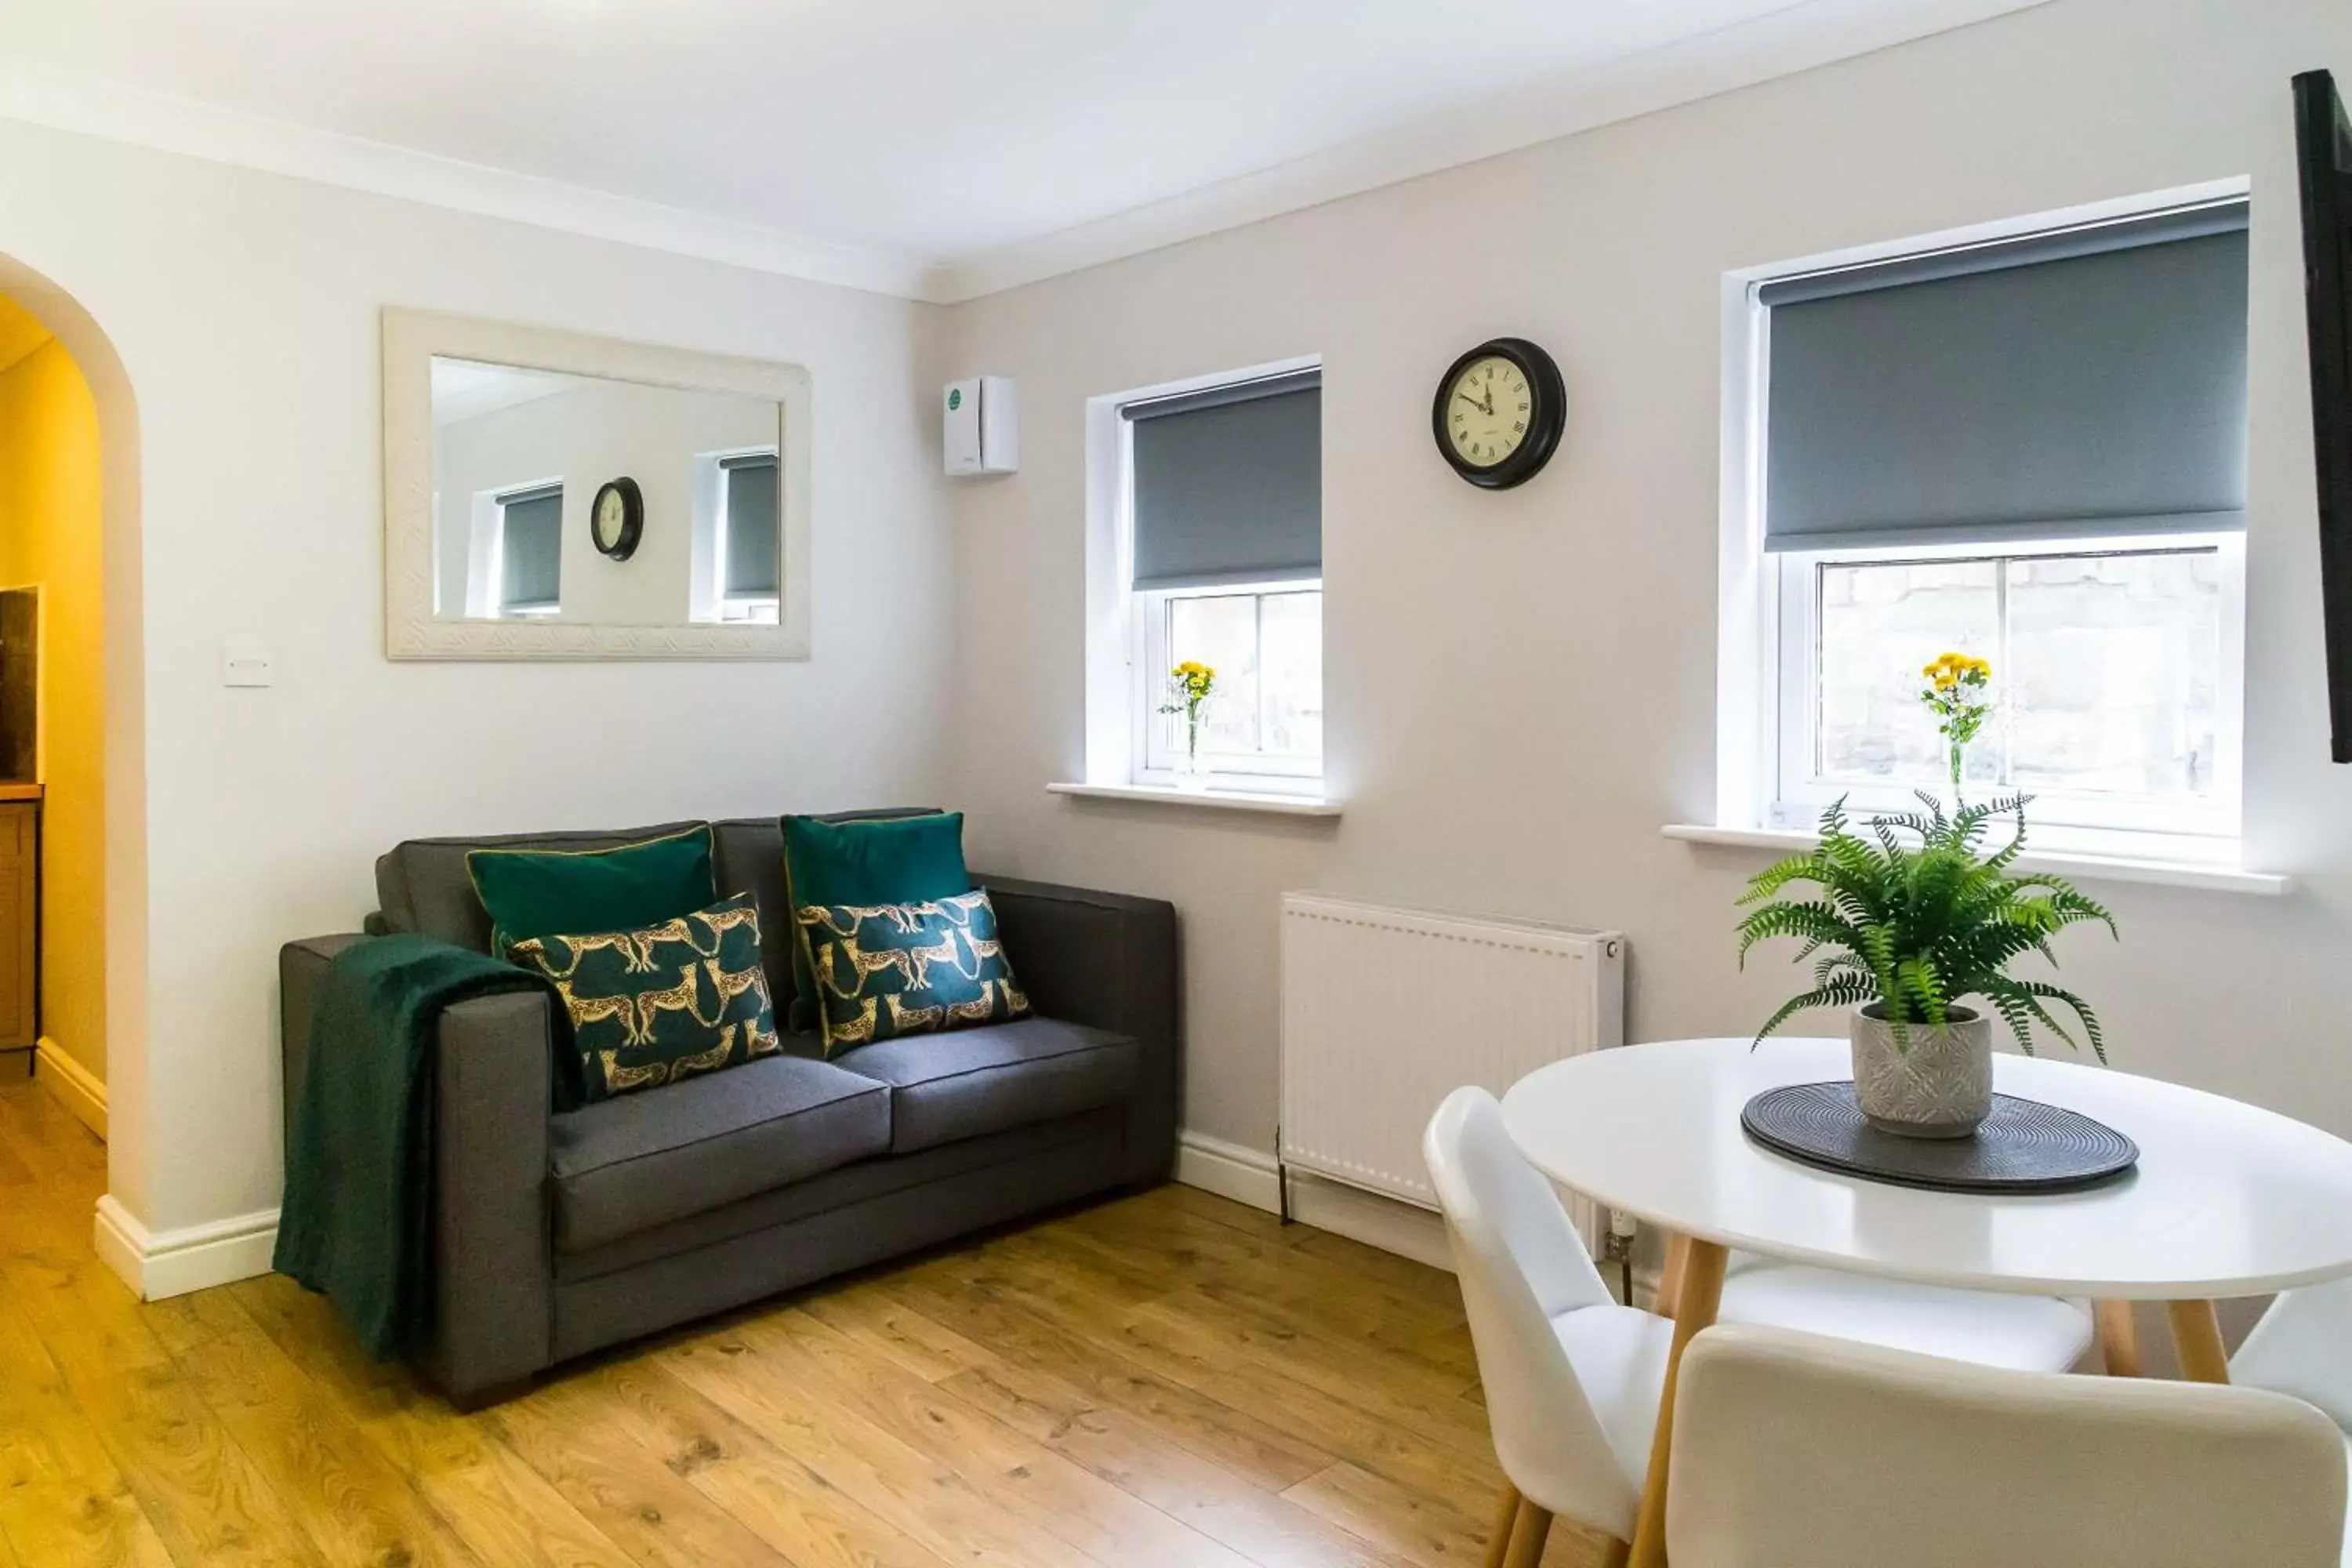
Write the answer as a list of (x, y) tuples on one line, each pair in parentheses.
[(917, 135), (465, 388)]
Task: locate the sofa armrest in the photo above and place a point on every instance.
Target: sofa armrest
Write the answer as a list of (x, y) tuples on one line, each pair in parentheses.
[(299, 965), (1108, 961), (493, 1259)]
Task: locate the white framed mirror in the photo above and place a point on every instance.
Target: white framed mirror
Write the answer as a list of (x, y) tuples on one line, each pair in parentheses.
[(550, 495)]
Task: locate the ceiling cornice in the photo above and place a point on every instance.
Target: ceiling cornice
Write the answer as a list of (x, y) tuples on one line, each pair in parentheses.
[(1807, 34), (116, 113)]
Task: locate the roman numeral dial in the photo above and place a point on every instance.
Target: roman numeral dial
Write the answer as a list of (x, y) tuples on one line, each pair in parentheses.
[(1499, 412), (1488, 420)]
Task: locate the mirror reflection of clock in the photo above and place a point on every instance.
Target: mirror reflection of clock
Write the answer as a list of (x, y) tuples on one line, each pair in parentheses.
[(616, 520)]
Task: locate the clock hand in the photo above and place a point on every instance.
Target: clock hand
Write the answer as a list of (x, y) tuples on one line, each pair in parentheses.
[(1473, 402)]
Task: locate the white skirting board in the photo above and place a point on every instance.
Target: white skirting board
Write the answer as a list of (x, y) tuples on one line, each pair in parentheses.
[(1247, 1176), (159, 1263), (78, 1088)]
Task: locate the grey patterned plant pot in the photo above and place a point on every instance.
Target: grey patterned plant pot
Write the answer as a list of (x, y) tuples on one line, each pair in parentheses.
[(1933, 1083)]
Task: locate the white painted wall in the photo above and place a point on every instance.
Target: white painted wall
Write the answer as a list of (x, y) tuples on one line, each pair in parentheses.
[(1521, 685), (244, 308), (590, 432)]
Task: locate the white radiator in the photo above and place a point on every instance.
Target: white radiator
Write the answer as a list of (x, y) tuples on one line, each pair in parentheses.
[(1386, 1011)]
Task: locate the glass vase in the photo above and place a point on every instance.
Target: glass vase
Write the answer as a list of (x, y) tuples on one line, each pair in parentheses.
[(1191, 773)]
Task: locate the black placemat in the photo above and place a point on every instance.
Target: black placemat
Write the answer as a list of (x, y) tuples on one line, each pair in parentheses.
[(2024, 1146)]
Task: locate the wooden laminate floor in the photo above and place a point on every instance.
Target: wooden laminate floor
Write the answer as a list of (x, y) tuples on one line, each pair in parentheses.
[(1166, 1379)]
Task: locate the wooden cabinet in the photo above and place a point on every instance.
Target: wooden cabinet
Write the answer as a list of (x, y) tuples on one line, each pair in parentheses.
[(20, 924)]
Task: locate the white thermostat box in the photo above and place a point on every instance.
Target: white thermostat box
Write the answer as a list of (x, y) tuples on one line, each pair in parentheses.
[(983, 426)]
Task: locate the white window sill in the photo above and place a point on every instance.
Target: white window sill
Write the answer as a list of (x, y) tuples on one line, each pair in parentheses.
[(2090, 868), (1212, 799)]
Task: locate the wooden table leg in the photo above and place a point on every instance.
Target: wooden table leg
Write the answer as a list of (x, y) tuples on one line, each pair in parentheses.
[(1670, 1275), (1700, 1292), (2118, 1338), (2197, 1335)]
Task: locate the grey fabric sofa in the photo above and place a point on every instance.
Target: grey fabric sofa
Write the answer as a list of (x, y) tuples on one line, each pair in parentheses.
[(555, 1235)]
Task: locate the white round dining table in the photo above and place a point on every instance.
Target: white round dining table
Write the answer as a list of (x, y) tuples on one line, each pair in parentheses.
[(2227, 1199)]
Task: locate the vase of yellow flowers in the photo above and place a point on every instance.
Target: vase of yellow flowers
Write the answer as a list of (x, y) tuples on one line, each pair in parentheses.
[(1956, 693), (1190, 685)]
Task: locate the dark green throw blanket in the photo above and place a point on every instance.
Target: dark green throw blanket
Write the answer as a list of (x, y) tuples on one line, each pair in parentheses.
[(357, 1220)]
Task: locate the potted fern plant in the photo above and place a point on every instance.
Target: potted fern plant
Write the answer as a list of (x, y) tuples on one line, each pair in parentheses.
[(1906, 932)]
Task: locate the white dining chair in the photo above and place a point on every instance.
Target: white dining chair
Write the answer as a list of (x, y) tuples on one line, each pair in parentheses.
[(2302, 1346), (1795, 1450), (1573, 1379)]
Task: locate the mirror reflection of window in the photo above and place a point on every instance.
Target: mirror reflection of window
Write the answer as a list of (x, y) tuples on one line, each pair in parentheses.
[(530, 572), (748, 545)]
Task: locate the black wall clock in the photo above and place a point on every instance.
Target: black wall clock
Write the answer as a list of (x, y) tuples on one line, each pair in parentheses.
[(617, 520), (1499, 413)]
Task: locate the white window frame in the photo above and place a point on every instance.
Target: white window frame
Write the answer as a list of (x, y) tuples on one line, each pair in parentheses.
[(1156, 761), (1126, 681), (2085, 820), (1768, 634), (740, 608)]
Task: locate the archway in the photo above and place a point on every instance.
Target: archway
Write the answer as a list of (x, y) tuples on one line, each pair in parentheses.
[(125, 727)]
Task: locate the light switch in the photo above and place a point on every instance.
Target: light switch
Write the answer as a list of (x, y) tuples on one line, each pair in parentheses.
[(248, 664)]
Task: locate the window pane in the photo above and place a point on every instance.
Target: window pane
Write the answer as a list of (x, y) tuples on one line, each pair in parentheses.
[(2114, 673), (1879, 623), (1291, 674), (531, 545), (1220, 631)]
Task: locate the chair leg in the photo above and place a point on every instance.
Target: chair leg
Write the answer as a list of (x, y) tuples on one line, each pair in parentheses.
[(1528, 1536), (2118, 1338), (1498, 1538)]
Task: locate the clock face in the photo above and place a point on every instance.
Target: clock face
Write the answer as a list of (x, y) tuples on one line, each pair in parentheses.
[(611, 512), (1499, 412), (1489, 410), (615, 518)]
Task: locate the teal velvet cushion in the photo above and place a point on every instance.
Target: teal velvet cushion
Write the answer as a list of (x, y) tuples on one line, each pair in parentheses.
[(872, 860), (664, 1001), (543, 893), (888, 970)]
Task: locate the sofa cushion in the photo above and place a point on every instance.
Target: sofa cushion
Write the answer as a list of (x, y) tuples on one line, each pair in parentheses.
[(974, 1081), (661, 1003), (644, 1160), (888, 970), (423, 884), (542, 892), (868, 861)]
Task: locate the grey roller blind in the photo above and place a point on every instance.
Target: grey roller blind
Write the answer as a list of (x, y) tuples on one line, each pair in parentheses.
[(2087, 383), (1229, 484), (752, 534), (531, 545)]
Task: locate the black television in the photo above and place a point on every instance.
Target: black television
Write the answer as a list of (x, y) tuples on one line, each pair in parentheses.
[(2324, 153)]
